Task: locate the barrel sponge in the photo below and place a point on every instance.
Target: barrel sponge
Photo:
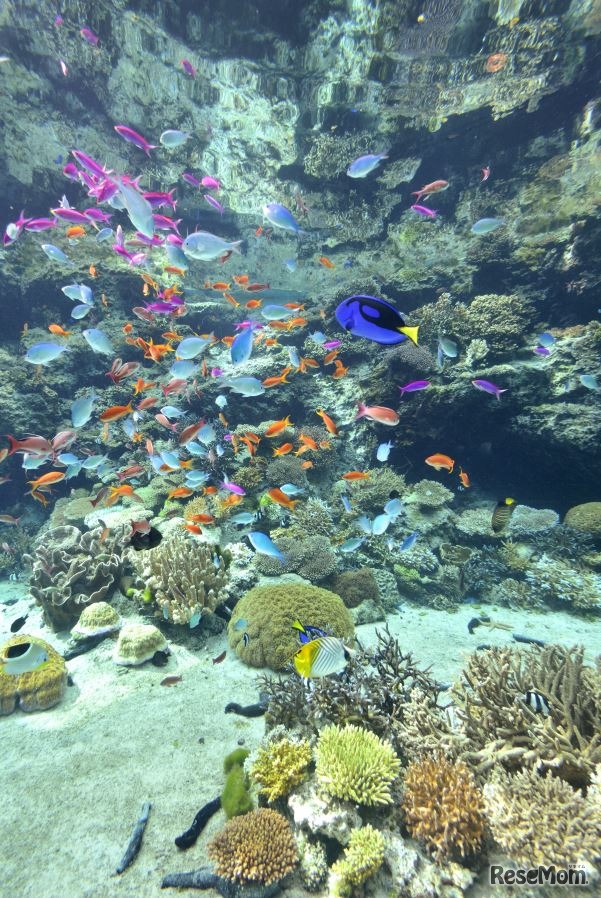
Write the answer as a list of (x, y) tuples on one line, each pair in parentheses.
[(443, 807), (258, 847), (268, 613), (356, 765), (137, 643), (362, 858), (38, 689)]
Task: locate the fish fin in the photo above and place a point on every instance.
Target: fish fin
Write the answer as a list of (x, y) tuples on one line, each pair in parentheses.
[(410, 332), (361, 411)]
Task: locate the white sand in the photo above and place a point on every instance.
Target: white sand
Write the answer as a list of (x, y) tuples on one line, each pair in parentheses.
[(73, 779)]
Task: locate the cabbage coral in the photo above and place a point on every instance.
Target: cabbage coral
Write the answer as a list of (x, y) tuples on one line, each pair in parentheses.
[(356, 765), (362, 858), (443, 807), (256, 848)]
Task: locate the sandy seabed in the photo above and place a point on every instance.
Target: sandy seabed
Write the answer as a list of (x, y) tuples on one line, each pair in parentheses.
[(73, 779)]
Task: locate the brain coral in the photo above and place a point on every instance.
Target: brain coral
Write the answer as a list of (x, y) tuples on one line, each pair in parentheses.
[(586, 517), (356, 765), (38, 689), (269, 612), (255, 848)]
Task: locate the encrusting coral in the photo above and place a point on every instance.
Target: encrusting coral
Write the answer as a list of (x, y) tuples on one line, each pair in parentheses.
[(543, 820), (257, 847), (443, 807), (354, 764), (183, 578), (280, 765), (72, 569), (362, 857), (37, 689), (269, 612)]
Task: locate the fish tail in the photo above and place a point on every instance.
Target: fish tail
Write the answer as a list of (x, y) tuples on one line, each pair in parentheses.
[(361, 411), (14, 444), (410, 332)]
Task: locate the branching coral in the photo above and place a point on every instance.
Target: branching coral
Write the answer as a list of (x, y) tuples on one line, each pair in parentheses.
[(499, 319), (363, 857), (443, 807), (354, 764), (257, 847), (280, 765), (543, 820), (71, 569), (314, 516), (182, 575)]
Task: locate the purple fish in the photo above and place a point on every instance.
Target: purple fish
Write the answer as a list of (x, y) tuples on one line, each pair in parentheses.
[(188, 68), (138, 258), (89, 36), (423, 210), (162, 308), (211, 183), (104, 191), (414, 386), (15, 229), (90, 164), (70, 215), (132, 136), (97, 215), (488, 387), (174, 239), (164, 223), (71, 171), (143, 240), (214, 203), (158, 199), (542, 350), (216, 372), (121, 251), (332, 344), (190, 179), (232, 487), (41, 224)]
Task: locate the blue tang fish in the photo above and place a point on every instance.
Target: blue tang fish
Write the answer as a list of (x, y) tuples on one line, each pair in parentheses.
[(374, 319)]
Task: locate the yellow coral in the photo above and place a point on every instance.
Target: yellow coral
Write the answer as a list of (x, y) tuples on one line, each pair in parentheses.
[(356, 765), (362, 858), (443, 807), (258, 847), (280, 766), (38, 689)]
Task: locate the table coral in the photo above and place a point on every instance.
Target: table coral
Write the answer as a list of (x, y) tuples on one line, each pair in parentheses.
[(443, 807), (280, 765), (354, 764), (363, 857), (428, 494), (269, 611), (38, 689), (72, 569), (256, 848), (185, 581)]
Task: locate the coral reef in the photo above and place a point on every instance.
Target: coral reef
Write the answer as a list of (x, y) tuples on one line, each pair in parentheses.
[(500, 320), (96, 619), (185, 581), (280, 765), (313, 864), (362, 857), (269, 612), (371, 495), (356, 765), (309, 556), (585, 518), (428, 494), (72, 569), (355, 587), (138, 643), (443, 807), (37, 689), (257, 847)]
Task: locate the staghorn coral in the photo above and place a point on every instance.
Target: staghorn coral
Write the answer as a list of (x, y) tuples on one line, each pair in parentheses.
[(286, 469), (269, 612), (354, 764), (585, 518), (428, 494), (280, 765), (311, 557), (443, 807), (257, 847), (314, 517), (498, 728), (358, 586), (476, 352), (542, 820), (516, 556), (72, 569), (362, 857), (183, 578), (37, 689)]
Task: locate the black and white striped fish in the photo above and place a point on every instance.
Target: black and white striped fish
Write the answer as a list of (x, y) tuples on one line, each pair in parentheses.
[(536, 702)]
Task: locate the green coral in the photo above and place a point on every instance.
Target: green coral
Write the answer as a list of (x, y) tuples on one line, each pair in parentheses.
[(356, 765), (363, 857), (235, 798), (280, 766), (270, 611)]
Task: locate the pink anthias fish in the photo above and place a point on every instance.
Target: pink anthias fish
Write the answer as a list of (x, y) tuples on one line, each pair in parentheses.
[(188, 68), (191, 179), (15, 228), (424, 211), (71, 171), (161, 419), (232, 487), (90, 164), (414, 386), (64, 67), (332, 344), (89, 36), (210, 183), (158, 199), (488, 387), (485, 174), (134, 137), (63, 440), (214, 203), (216, 372), (165, 223), (41, 224), (72, 216)]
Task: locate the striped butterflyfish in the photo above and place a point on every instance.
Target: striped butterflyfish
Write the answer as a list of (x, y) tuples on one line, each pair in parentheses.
[(500, 516), (321, 657)]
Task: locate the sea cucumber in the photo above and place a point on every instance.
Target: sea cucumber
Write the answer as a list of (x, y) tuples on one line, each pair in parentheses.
[(256, 710), (528, 639), (133, 846), (187, 839)]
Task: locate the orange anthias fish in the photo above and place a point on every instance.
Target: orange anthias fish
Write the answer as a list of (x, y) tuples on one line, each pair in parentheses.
[(308, 441), (329, 358), (441, 462), (256, 288), (115, 412), (465, 479), (218, 285), (284, 449), (280, 498), (253, 304), (172, 335), (202, 518), (306, 363), (116, 492), (340, 370), (173, 269), (141, 385), (296, 322), (305, 465), (277, 379), (329, 423), (192, 528), (278, 426), (150, 282), (148, 402), (93, 271), (75, 231), (241, 279), (180, 492), (46, 480), (231, 500), (327, 263), (127, 328), (356, 475), (295, 306), (58, 330)]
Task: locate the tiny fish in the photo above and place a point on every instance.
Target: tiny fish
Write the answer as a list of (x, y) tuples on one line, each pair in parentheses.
[(18, 623), (589, 381), (351, 545), (414, 386), (536, 702), (383, 451), (546, 339), (241, 624), (171, 138), (488, 387), (220, 657), (409, 541), (448, 347), (171, 680)]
